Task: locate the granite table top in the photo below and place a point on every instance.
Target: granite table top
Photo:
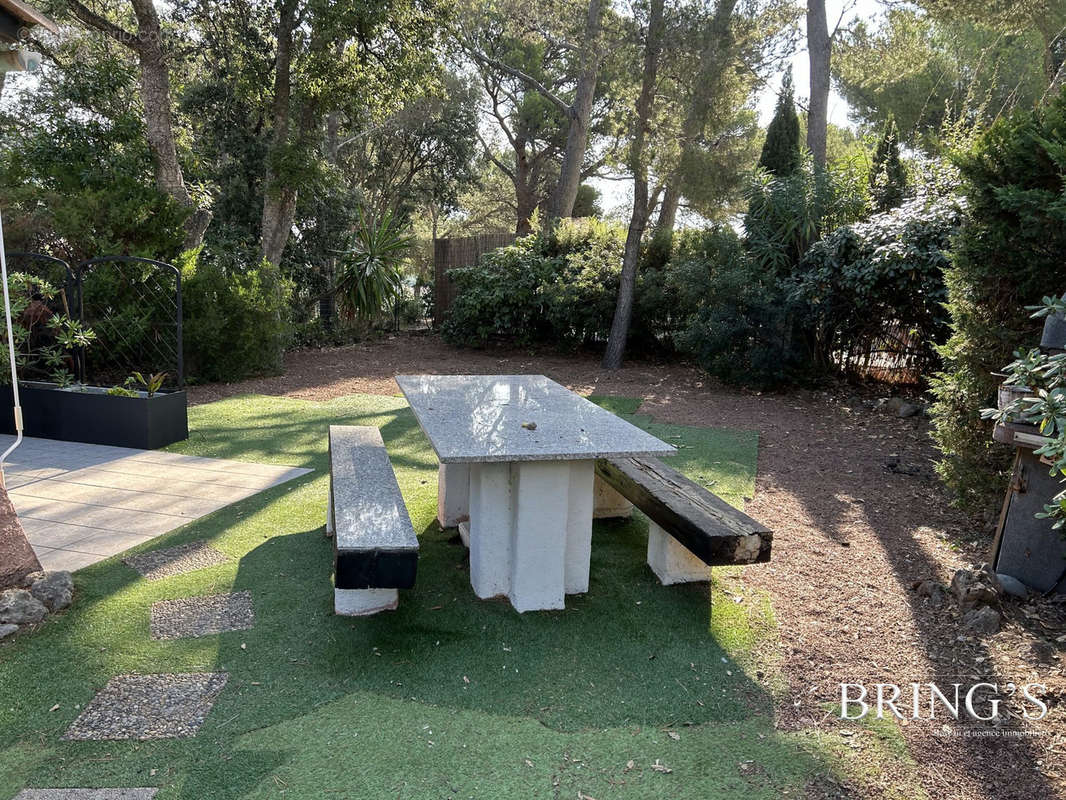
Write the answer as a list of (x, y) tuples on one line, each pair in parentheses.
[(483, 418)]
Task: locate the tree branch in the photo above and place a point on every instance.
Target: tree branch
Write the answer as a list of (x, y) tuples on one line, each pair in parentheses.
[(94, 20), (532, 82)]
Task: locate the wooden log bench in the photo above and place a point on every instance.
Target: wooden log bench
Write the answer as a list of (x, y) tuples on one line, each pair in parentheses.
[(690, 529), (375, 550)]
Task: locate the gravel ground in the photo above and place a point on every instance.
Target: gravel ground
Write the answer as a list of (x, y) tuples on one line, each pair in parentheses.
[(155, 565), (202, 616), (149, 707), (858, 518)]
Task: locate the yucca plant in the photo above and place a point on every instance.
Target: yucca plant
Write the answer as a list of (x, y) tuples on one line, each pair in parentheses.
[(369, 278)]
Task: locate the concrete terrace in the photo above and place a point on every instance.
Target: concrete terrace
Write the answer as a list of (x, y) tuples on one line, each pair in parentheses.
[(80, 503)]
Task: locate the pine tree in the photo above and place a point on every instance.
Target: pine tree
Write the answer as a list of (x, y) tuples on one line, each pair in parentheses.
[(888, 178), (781, 150)]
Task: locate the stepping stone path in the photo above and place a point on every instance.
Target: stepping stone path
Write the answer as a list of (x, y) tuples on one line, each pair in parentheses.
[(158, 564), (149, 707), (202, 616), (86, 794)]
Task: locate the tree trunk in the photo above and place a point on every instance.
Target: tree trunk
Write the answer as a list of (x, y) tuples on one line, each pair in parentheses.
[(668, 210), (562, 201), (524, 189), (623, 312), (155, 95), (279, 200), (716, 54), (819, 48)]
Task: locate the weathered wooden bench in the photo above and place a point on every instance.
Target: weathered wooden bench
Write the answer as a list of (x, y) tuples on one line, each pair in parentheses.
[(375, 550), (690, 529)]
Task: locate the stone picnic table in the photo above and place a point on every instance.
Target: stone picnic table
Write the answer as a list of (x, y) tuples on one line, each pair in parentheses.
[(517, 456)]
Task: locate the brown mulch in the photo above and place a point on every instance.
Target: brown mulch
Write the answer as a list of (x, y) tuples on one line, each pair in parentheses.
[(858, 518)]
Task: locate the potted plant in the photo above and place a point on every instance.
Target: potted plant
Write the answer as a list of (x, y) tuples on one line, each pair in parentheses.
[(1054, 311), (49, 346)]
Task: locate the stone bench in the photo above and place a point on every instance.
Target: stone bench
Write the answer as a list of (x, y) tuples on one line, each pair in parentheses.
[(375, 550), (690, 529)]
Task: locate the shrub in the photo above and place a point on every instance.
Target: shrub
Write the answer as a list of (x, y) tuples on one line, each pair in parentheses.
[(865, 280), (235, 317), (1007, 255), (738, 319), (558, 288)]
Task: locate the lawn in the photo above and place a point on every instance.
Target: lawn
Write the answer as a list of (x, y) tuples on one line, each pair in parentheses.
[(629, 692)]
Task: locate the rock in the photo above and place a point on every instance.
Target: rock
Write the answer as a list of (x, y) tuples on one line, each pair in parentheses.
[(933, 590), (983, 620), (7, 629), (54, 589), (20, 607), (893, 404), (17, 558), (1012, 586), (974, 588), (908, 410)]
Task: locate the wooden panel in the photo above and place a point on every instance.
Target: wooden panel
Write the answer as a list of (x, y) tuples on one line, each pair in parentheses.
[(708, 526), (449, 254)]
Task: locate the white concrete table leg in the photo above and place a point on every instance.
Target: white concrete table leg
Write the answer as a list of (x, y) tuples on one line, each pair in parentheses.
[(671, 561), (329, 509), (541, 513), (363, 602), (453, 494), (579, 527), (608, 503), (491, 529)]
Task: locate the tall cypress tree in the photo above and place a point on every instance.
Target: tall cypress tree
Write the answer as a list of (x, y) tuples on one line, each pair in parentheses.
[(781, 150), (888, 178)]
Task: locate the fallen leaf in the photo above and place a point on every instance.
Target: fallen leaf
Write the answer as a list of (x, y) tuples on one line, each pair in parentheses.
[(658, 766), (55, 707), (674, 735)]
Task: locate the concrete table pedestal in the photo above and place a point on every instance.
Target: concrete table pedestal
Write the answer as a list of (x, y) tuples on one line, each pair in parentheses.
[(517, 456), (671, 561)]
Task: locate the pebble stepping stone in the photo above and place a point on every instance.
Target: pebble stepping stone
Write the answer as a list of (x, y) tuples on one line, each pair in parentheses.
[(162, 706), (202, 616), (86, 794), (158, 564)]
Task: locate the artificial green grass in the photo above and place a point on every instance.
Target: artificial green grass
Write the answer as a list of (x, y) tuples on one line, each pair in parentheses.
[(447, 696)]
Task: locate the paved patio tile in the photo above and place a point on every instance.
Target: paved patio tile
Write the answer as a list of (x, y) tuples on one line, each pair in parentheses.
[(80, 503), (68, 560), (190, 617), (86, 794), (108, 543), (149, 707), (177, 560)]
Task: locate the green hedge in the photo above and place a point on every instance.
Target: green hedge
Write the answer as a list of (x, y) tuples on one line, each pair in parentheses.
[(235, 318), (1009, 253)]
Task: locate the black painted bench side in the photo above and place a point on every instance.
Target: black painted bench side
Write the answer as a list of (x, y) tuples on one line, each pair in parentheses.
[(704, 523), (364, 559)]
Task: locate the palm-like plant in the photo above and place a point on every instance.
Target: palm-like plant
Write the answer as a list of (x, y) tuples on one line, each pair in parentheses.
[(369, 278)]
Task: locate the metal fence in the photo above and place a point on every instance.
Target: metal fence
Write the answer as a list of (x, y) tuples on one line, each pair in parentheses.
[(132, 304), (449, 254)]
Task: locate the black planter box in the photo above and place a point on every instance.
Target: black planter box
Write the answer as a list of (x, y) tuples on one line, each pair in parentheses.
[(92, 416)]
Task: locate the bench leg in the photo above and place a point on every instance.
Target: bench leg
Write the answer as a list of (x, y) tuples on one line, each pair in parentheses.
[(363, 602), (579, 515), (329, 510), (453, 494), (671, 561), (608, 503), (491, 526), (541, 514)]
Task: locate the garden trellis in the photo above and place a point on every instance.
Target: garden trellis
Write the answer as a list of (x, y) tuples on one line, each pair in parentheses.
[(132, 304)]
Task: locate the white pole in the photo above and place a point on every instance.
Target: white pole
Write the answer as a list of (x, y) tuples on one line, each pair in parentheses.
[(11, 356)]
